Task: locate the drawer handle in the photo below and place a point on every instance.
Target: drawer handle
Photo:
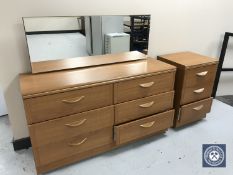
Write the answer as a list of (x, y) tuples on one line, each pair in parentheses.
[(79, 143), (198, 91), (202, 74), (148, 125), (74, 100), (76, 123), (146, 85), (198, 108), (147, 105)]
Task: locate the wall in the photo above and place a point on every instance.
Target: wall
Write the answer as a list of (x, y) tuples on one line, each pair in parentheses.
[(33, 24), (3, 110), (176, 26)]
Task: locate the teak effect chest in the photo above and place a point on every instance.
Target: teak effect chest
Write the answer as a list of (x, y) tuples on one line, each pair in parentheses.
[(193, 85), (75, 114)]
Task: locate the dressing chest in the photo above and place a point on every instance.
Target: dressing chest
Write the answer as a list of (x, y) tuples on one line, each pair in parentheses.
[(78, 113)]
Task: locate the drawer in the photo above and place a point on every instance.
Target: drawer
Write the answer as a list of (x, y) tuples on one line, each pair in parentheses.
[(143, 127), (143, 87), (44, 108), (59, 129), (193, 94), (194, 111), (200, 76), (71, 146), (143, 107)]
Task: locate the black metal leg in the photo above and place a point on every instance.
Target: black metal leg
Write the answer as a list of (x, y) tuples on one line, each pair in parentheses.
[(220, 64)]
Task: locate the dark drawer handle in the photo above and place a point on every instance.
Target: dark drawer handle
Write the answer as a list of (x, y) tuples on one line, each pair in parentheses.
[(75, 100), (148, 125), (198, 108), (147, 105), (146, 85), (202, 74), (198, 91), (79, 143), (76, 123)]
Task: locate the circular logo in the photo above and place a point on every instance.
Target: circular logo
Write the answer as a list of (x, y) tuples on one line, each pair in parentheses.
[(214, 156)]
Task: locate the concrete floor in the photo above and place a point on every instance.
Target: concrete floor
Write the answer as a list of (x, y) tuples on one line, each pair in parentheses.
[(176, 152), (228, 99)]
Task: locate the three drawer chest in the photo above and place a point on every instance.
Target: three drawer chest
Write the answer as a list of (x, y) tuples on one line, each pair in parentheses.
[(193, 85)]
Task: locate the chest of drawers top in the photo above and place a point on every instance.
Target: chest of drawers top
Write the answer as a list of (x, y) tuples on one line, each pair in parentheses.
[(187, 60), (33, 85)]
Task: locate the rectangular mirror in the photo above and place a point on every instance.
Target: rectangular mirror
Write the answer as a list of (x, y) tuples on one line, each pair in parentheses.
[(57, 43)]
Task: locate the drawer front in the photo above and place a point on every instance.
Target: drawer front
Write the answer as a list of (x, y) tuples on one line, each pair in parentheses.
[(143, 87), (70, 126), (68, 147), (194, 111), (200, 76), (143, 107), (193, 94), (143, 127), (53, 106)]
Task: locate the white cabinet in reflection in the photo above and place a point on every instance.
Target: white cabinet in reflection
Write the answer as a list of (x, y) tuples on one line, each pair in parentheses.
[(97, 27), (117, 43)]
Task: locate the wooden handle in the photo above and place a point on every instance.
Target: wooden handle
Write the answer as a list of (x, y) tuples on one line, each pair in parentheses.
[(147, 105), (76, 123), (202, 74), (75, 100), (146, 85), (148, 125), (198, 91), (198, 108), (79, 143)]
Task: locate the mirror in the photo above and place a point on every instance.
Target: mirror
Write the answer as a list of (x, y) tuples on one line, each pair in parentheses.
[(52, 40)]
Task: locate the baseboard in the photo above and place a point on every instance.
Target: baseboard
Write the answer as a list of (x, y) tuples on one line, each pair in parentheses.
[(23, 143), (4, 115)]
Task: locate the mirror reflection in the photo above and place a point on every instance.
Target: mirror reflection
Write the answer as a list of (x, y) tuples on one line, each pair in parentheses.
[(53, 38)]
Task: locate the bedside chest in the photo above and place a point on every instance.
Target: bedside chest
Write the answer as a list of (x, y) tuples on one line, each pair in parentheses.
[(75, 114), (193, 86)]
